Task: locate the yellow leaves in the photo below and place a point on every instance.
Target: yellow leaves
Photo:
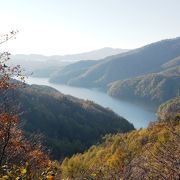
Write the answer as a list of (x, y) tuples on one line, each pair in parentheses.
[(142, 132), (23, 170), (163, 135), (93, 174), (15, 172), (119, 150), (114, 161), (4, 177)]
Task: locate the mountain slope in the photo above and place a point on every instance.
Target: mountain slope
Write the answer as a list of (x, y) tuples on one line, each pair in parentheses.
[(91, 55), (137, 62), (172, 63), (44, 66), (170, 111), (71, 71), (152, 88), (150, 153), (69, 124)]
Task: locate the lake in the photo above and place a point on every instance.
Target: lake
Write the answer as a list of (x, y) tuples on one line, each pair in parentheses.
[(139, 116)]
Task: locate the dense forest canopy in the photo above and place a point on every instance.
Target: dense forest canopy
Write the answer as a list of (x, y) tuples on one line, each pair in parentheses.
[(154, 88), (70, 125), (151, 153)]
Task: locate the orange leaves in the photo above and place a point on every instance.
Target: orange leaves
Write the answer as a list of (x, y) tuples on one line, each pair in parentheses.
[(50, 177), (15, 149), (5, 118)]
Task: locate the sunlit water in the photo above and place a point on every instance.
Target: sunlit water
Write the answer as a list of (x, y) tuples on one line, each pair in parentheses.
[(135, 114)]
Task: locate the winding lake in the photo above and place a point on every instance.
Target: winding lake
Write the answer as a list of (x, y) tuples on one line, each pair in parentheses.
[(135, 114)]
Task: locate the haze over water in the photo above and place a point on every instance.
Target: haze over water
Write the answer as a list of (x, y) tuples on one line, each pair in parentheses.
[(135, 114)]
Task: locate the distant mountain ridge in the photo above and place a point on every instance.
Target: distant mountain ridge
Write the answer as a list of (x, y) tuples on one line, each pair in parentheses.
[(45, 66), (91, 55), (137, 62)]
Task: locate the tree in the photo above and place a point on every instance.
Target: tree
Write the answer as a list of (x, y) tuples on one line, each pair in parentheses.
[(160, 160), (19, 157)]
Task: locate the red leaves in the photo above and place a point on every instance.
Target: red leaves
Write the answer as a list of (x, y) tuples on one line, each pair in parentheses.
[(15, 148)]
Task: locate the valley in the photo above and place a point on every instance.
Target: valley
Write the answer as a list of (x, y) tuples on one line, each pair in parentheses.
[(137, 114), (90, 90)]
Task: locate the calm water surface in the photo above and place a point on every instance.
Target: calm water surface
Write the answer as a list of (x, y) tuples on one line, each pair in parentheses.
[(133, 113)]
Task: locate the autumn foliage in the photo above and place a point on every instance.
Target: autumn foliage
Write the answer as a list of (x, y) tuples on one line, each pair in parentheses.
[(144, 154), (20, 157), (151, 153)]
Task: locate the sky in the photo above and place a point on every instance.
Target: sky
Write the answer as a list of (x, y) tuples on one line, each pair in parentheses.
[(59, 27)]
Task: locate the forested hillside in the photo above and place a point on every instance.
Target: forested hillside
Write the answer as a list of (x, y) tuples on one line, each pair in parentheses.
[(152, 88), (141, 61), (151, 153), (172, 63), (69, 124), (71, 71), (170, 111)]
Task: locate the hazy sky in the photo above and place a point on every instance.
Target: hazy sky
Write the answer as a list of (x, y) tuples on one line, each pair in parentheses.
[(72, 26)]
